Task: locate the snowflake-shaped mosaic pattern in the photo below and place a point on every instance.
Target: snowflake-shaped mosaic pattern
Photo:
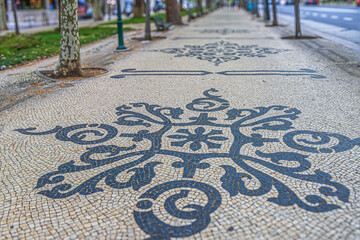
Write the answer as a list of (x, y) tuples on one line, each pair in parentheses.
[(221, 52), (201, 130)]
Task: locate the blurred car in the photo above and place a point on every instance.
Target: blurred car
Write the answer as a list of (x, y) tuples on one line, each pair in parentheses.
[(311, 2), (286, 2), (358, 3), (84, 11)]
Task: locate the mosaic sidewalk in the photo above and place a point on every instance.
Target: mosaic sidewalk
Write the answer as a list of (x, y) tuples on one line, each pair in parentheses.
[(221, 131)]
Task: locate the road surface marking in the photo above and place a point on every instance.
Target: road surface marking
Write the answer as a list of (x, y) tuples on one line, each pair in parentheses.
[(334, 17), (348, 19), (315, 14), (323, 15), (307, 13)]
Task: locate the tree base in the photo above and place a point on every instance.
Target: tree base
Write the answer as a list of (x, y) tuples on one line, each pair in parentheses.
[(86, 73), (300, 38), (277, 25)]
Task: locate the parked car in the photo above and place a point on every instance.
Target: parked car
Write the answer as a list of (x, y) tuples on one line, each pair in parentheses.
[(358, 3), (311, 2), (286, 2), (84, 11)]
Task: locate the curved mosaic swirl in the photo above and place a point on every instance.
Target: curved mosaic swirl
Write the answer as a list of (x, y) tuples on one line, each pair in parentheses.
[(191, 141)]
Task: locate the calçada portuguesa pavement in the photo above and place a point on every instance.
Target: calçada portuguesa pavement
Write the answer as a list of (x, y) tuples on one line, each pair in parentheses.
[(221, 131)]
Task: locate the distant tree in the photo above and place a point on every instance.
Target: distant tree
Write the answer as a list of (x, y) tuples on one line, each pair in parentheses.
[(97, 10), (199, 6), (297, 19), (173, 12), (208, 4), (253, 7), (266, 11), (147, 21), (3, 25), (257, 8), (275, 22), (69, 59), (222, 3), (59, 14), (138, 8), (243, 4), (17, 31)]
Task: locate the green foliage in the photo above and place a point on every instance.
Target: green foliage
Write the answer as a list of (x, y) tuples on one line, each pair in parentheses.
[(134, 20), (139, 20), (16, 49)]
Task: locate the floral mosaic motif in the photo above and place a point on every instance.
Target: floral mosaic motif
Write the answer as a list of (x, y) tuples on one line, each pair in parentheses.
[(204, 132), (197, 138), (221, 52), (224, 31)]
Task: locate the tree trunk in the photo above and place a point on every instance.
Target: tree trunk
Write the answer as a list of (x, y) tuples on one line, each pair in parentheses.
[(243, 4), (257, 8), (208, 4), (267, 13), (138, 8), (181, 2), (253, 7), (199, 6), (69, 58), (97, 10), (297, 19), (275, 22), (17, 32), (222, 3), (109, 11), (173, 12), (59, 14), (3, 25), (147, 22)]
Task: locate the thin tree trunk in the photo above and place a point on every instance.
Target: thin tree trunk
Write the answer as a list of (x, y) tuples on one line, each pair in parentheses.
[(97, 10), (181, 5), (173, 12), (253, 7), (69, 58), (147, 22), (275, 22), (208, 4), (45, 15), (3, 25), (17, 31), (109, 11), (59, 14), (267, 13), (138, 8), (257, 8), (199, 6), (297, 19)]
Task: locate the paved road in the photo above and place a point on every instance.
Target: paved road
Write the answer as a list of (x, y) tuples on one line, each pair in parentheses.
[(222, 131), (341, 24), (344, 17)]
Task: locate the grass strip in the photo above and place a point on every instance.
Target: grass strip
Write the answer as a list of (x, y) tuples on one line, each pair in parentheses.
[(142, 19), (16, 49)]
